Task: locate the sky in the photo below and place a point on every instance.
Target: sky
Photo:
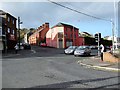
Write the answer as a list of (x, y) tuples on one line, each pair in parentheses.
[(34, 14)]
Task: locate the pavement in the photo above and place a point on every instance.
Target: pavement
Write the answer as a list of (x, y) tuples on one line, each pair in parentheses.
[(96, 63), (11, 53)]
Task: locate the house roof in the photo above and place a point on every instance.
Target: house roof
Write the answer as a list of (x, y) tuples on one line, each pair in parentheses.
[(63, 24), (37, 31), (3, 13), (86, 33)]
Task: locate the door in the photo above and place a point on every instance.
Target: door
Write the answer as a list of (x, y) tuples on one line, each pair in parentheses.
[(60, 43)]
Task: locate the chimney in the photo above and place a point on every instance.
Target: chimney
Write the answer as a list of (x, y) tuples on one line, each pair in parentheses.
[(46, 25), (43, 26), (40, 27)]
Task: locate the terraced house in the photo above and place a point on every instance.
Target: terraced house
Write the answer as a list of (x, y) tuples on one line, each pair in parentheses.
[(8, 30), (40, 35)]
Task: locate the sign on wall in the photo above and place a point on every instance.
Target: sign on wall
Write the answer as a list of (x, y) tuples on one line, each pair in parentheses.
[(12, 37)]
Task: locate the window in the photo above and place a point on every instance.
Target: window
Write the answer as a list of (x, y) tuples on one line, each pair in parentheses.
[(71, 30), (71, 36), (75, 36), (8, 30), (8, 19), (13, 31), (60, 35), (66, 35), (13, 21), (66, 30)]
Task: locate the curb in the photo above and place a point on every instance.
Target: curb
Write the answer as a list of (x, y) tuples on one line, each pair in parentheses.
[(99, 67), (11, 55)]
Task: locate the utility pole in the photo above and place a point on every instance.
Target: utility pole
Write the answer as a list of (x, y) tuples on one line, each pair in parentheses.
[(98, 40), (19, 22), (115, 29), (113, 26)]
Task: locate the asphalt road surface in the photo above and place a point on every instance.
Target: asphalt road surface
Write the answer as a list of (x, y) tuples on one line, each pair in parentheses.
[(51, 68)]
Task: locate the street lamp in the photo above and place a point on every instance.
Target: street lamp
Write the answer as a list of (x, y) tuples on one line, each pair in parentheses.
[(19, 22)]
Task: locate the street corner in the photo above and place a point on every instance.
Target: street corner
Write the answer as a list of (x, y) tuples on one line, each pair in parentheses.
[(103, 67)]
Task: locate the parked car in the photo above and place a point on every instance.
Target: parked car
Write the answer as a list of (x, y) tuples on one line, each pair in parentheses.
[(70, 50), (82, 50), (27, 46), (43, 44)]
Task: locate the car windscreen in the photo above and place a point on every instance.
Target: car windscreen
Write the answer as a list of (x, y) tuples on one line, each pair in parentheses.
[(72, 47), (82, 47)]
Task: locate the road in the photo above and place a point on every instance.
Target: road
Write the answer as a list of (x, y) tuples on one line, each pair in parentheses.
[(51, 68)]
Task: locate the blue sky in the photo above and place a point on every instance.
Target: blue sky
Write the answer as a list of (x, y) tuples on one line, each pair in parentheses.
[(34, 14)]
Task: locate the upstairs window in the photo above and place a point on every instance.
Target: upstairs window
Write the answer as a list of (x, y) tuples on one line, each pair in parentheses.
[(71, 30), (8, 19), (13, 22), (74, 36), (71, 36), (8, 30), (13, 32)]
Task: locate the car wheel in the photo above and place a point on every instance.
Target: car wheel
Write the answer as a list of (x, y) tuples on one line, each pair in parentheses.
[(89, 54)]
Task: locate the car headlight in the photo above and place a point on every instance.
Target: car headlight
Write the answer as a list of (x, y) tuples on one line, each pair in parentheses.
[(71, 51)]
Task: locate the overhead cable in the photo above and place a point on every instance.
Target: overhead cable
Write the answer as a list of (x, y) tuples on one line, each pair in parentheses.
[(78, 11)]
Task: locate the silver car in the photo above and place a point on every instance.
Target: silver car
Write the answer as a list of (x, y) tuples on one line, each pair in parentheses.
[(82, 50), (70, 50)]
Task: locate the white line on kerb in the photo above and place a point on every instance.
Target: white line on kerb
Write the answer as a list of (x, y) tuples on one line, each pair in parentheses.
[(33, 51)]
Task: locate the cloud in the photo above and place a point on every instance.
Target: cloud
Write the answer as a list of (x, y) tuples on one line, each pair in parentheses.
[(33, 14)]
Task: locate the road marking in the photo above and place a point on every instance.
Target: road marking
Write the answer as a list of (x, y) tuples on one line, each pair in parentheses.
[(99, 67), (33, 51)]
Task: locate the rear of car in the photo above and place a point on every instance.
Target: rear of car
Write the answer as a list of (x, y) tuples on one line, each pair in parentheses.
[(82, 50), (27, 46), (43, 45), (21, 46), (70, 50)]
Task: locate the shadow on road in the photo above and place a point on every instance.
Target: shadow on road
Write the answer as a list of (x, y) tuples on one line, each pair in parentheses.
[(65, 85)]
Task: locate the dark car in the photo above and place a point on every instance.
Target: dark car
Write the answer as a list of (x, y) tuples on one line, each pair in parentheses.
[(27, 46), (21, 46)]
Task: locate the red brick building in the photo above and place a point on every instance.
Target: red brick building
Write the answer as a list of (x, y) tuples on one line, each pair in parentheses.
[(63, 35), (9, 30), (81, 40), (40, 35)]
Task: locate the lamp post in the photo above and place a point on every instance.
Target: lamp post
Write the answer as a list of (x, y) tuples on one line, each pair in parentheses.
[(19, 22)]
